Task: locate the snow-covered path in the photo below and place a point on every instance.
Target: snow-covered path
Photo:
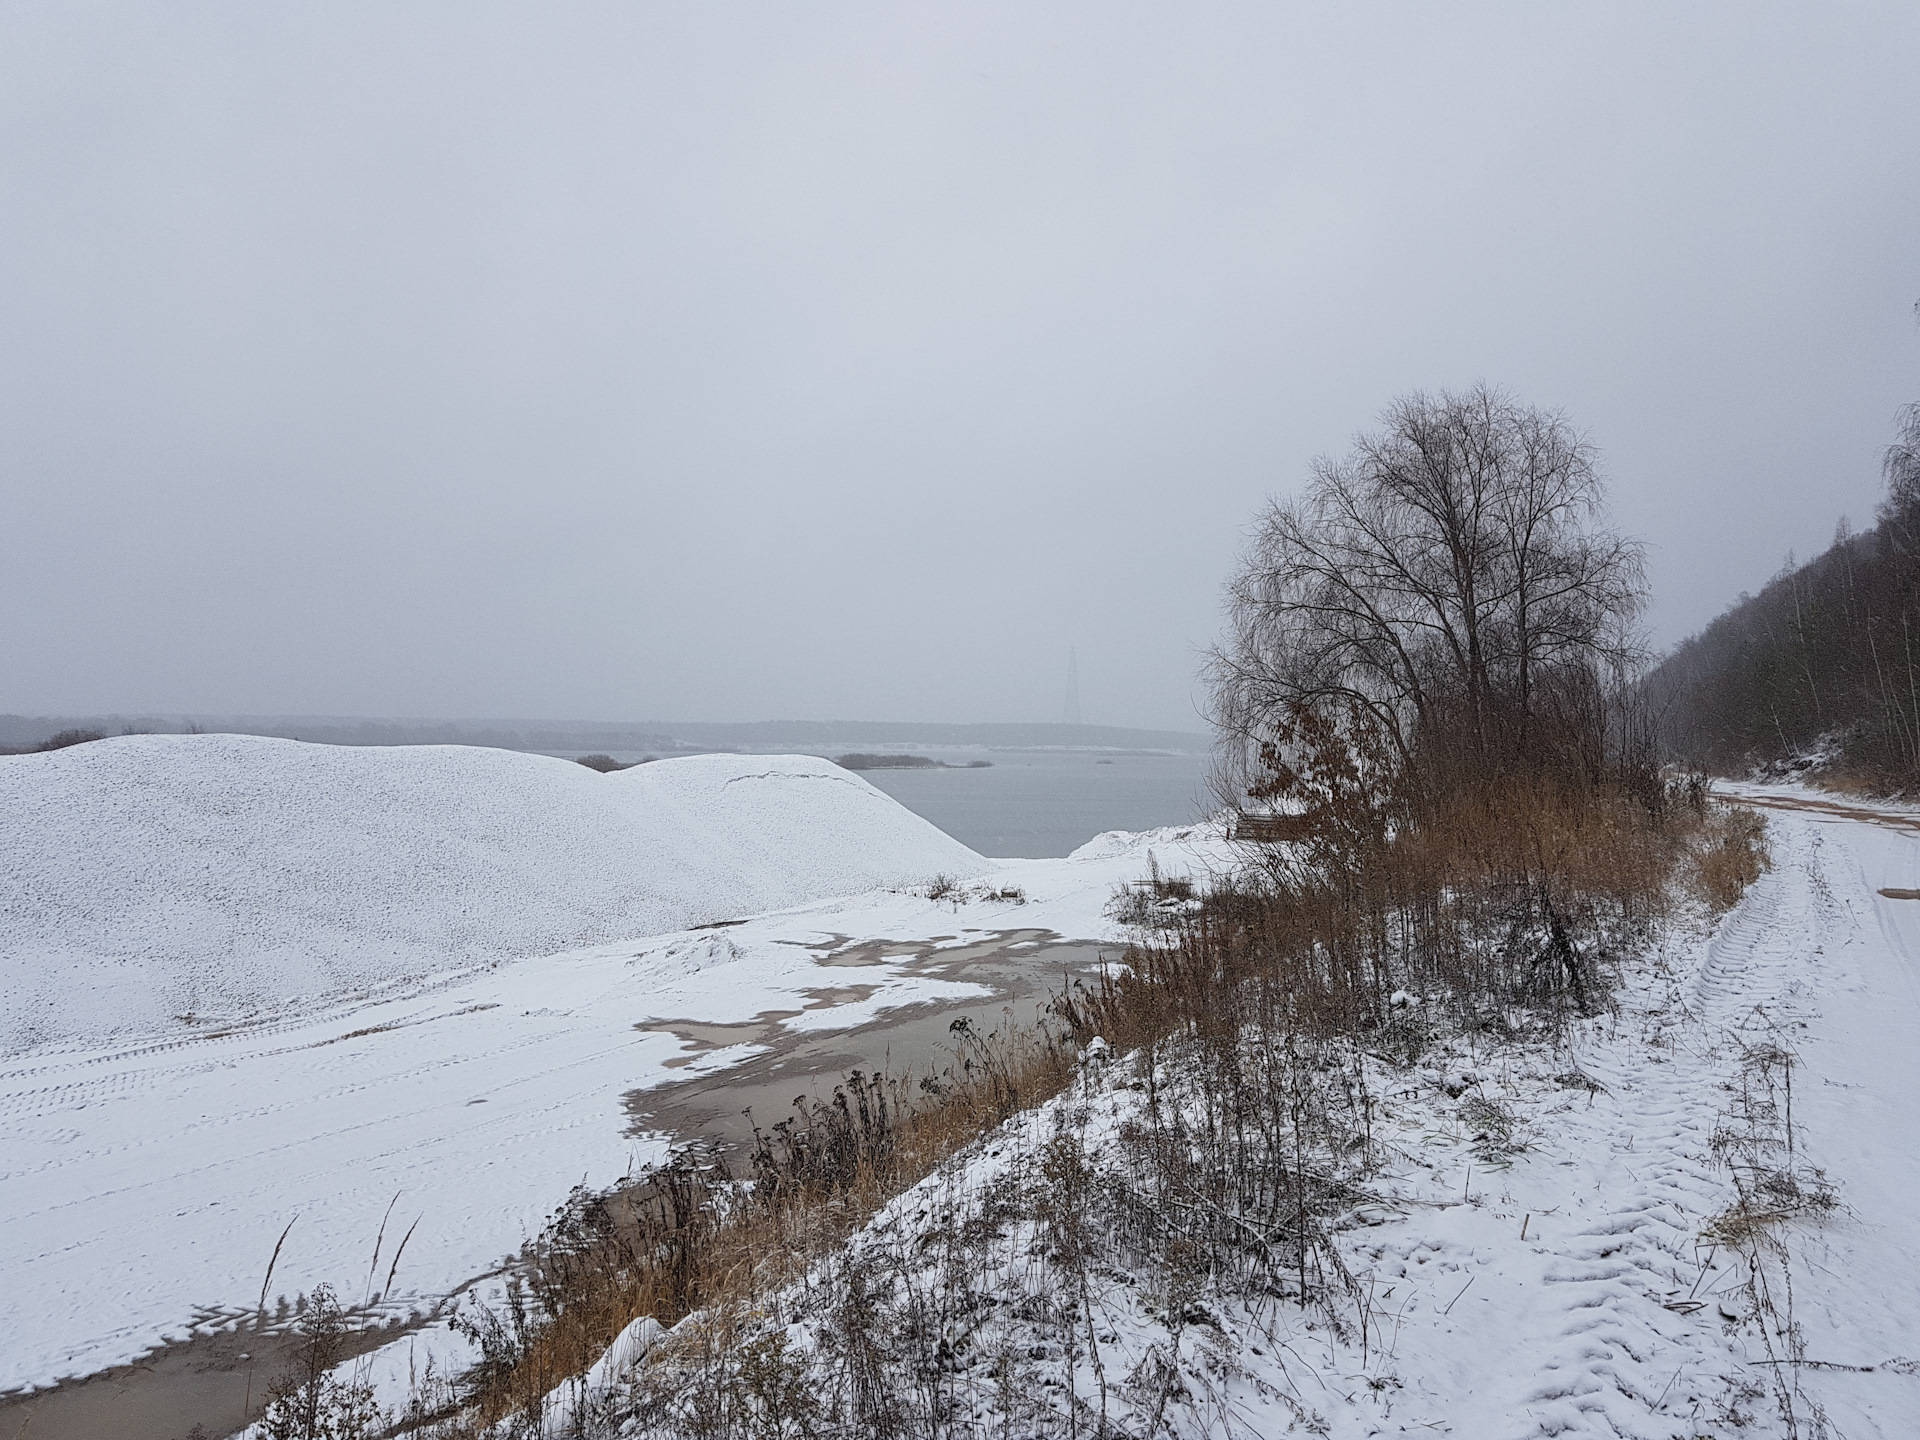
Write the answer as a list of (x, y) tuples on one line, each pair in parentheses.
[(1609, 1319), (1840, 961)]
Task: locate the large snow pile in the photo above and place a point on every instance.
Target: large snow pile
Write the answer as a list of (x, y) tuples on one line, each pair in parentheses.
[(151, 876)]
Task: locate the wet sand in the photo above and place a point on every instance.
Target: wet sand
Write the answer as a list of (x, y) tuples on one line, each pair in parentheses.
[(1021, 967), (215, 1381), (1900, 820)]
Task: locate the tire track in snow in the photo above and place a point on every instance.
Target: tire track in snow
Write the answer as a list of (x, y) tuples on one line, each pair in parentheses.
[(1841, 991), (1616, 1361)]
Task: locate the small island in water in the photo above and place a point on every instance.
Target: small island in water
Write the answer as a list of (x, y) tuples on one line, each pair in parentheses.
[(860, 761)]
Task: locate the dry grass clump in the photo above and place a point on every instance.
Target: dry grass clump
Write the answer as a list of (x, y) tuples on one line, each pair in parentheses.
[(1494, 1129), (1756, 1140), (952, 890), (310, 1399), (1730, 854), (1155, 903), (987, 1301), (693, 1237)]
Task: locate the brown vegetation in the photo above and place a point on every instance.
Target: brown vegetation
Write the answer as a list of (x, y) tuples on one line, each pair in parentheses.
[(1732, 854), (690, 1237), (1250, 1010), (1419, 676)]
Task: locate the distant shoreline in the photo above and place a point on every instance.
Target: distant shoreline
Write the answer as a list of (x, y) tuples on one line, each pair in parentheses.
[(862, 761), (633, 738)]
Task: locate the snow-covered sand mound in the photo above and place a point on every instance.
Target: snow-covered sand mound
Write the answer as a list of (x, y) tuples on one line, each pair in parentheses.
[(154, 876)]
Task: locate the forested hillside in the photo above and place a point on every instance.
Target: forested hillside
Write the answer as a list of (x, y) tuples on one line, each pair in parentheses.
[(1826, 657)]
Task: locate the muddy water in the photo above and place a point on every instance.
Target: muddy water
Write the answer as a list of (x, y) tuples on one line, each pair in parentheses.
[(217, 1381), (1020, 967)]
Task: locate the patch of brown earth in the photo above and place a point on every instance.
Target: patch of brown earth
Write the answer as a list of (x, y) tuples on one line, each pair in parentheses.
[(216, 1381), (1020, 968)]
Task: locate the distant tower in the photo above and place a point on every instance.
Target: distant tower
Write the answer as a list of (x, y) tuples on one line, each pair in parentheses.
[(1073, 686)]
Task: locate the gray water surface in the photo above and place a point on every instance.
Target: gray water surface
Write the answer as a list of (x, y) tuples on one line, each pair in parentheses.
[(1037, 803)]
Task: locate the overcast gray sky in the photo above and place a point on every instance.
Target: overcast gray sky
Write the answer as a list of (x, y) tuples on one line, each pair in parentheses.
[(828, 360)]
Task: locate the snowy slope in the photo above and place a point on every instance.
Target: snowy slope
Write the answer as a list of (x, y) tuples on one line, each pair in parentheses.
[(145, 1181), (150, 876), (1583, 1281)]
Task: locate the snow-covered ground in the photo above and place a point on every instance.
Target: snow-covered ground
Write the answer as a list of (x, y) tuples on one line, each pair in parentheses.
[(146, 1174), (1587, 1283), (1570, 1291), (151, 877), (1616, 1316), (1834, 957)]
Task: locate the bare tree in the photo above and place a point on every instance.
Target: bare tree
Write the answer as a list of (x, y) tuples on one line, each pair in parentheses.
[(1900, 510), (1450, 574), (1824, 660)]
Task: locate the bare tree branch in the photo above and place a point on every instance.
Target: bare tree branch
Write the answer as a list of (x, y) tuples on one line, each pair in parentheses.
[(1456, 562)]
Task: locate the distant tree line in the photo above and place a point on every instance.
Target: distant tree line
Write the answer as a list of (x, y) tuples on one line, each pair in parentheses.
[(860, 760), (1826, 658), (59, 741)]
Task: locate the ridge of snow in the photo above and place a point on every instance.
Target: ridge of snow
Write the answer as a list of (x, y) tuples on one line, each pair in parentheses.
[(150, 877), (477, 1097)]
